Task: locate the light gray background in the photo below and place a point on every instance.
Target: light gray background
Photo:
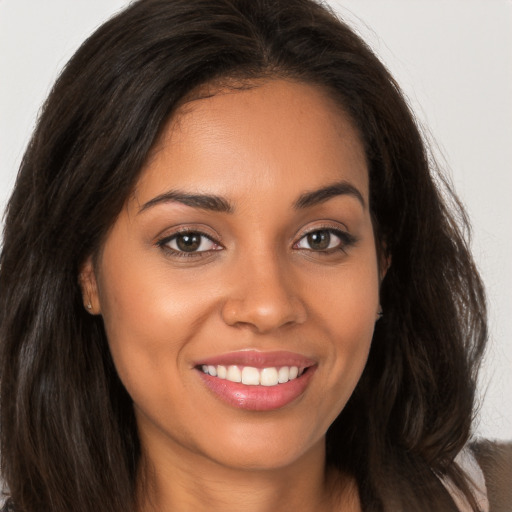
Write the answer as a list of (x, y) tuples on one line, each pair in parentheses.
[(453, 58)]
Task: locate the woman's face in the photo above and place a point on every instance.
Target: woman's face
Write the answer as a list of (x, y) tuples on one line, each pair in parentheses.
[(245, 252)]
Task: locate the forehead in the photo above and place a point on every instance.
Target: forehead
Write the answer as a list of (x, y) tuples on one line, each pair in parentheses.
[(270, 137)]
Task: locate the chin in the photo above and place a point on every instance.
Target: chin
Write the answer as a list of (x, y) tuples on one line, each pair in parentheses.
[(266, 447)]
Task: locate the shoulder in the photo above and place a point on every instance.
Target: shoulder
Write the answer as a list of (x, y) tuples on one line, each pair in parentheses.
[(7, 507), (495, 460), (487, 466), (474, 478), (6, 504)]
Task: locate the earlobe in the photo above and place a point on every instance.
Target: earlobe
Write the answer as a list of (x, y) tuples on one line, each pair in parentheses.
[(385, 263), (88, 285), (384, 259)]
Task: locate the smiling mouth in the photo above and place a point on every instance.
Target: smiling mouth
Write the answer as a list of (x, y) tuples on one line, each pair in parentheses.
[(257, 381), (251, 376)]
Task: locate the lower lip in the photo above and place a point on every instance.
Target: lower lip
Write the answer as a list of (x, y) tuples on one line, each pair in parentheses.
[(258, 398)]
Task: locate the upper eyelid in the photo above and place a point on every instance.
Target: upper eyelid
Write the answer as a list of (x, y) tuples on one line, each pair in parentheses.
[(166, 240), (347, 239), (163, 244), (331, 230), (326, 226), (340, 233), (187, 229)]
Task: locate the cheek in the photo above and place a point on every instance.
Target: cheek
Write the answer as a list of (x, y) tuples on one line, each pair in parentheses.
[(150, 317), (351, 346), (349, 356), (348, 315), (349, 300), (139, 301), (147, 330), (132, 307)]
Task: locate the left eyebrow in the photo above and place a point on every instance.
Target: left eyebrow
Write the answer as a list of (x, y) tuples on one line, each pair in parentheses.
[(323, 194), (202, 201)]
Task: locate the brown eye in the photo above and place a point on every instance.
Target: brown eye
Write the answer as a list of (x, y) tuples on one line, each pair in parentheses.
[(325, 241), (319, 240), (189, 242)]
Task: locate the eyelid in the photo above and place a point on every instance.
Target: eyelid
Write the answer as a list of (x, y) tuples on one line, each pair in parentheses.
[(180, 229), (341, 231), (163, 241), (320, 226)]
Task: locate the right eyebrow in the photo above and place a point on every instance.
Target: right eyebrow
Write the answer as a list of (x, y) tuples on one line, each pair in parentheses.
[(203, 201), (323, 194)]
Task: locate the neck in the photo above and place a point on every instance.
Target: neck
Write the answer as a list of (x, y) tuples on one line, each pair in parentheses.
[(191, 483)]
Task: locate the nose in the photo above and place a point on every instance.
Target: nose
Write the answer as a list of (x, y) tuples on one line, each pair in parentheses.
[(264, 297)]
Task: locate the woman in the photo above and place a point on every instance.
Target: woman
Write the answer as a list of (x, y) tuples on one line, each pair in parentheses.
[(219, 284)]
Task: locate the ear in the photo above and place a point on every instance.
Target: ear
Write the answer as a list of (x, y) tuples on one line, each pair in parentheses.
[(384, 258), (89, 286), (384, 264)]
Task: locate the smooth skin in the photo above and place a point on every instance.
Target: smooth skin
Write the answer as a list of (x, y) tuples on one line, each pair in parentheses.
[(254, 269)]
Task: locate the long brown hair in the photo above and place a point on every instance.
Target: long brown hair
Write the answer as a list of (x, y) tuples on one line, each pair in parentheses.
[(68, 434)]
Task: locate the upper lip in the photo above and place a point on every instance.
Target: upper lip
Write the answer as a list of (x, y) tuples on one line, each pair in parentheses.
[(258, 359)]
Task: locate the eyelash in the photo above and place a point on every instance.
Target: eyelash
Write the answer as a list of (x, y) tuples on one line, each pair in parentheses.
[(346, 241), (163, 244)]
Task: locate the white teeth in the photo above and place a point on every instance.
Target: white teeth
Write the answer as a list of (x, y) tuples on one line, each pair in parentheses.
[(283, 375), (269, 377), (234, 374), (221, 371), (251, 376)]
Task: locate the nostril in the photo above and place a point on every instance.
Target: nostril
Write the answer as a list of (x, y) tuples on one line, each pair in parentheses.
[(263, 314)]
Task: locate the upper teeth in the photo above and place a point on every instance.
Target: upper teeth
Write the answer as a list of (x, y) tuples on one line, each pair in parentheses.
[(253, 376)]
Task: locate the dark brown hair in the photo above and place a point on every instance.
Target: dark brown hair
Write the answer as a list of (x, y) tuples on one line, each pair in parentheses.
[(68, 435)]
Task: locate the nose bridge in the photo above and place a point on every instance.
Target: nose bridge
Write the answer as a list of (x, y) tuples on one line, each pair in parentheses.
[(264, 294)]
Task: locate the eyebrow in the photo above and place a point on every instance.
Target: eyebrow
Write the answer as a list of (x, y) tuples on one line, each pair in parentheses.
[(203, 201), (219, 204), (323, 194)]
